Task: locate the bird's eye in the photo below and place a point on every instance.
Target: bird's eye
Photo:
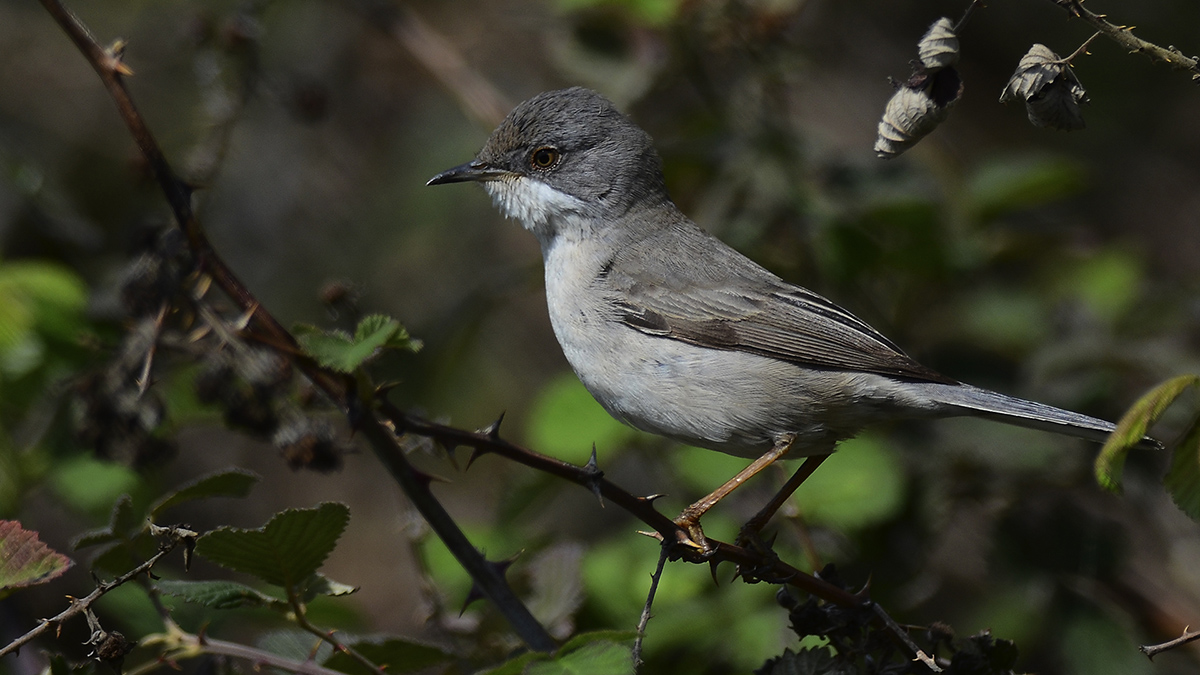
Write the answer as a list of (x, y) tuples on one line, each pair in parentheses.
[(544, 157)]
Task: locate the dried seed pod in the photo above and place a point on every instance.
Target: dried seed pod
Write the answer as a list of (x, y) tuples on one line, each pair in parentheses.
[(924, 101), (916, 109), (938, 48), (1049, 88)]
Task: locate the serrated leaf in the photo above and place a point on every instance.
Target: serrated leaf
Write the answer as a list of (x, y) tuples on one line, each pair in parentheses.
[(319, 584), (393, 655), (598, 658), (336, 350), (229, 483), (398, 337), (295, 644), (1183, 478), (588, 638), (219, 594), (285, 551), (25, 560), (372, 325), (594, 652), (517, 665), (806, 662), (1110, 463)]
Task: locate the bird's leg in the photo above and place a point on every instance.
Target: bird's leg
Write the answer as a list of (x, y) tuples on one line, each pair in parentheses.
[(755, 525), (689, 518)]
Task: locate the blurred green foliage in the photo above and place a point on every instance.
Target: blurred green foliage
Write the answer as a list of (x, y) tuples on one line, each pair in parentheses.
[(1057, 267)]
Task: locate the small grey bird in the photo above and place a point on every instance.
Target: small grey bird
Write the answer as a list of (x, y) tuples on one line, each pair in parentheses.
[(676, 333)]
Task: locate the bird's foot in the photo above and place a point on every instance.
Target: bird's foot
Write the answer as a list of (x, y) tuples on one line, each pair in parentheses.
[(690, 533)]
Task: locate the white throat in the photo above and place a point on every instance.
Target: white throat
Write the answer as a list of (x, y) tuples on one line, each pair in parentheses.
[(541, 209)]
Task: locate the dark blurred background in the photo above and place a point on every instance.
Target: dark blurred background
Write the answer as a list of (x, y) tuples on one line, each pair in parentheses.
[(1055, 266)]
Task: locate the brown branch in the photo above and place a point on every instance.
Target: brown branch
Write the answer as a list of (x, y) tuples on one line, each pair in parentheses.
[(641, 507), (1123, 35), (80, 605), (474, 93), (180, 645), (108, 65), (752, 564), (488, 577), (1154, 650)]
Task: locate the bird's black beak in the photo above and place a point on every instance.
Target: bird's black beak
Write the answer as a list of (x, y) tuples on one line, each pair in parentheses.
[(475, 170)]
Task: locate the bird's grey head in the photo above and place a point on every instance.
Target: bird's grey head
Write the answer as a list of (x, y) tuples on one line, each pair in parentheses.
[(565, 158)]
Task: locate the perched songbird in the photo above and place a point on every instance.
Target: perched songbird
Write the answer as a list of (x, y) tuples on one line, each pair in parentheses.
[(676, 333)]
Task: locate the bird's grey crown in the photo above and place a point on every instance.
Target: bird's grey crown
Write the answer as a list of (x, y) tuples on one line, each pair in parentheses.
[(606, 161)]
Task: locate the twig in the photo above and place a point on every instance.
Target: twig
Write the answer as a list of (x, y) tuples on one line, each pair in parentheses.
[(899, 632), (641, 507), (180, 645), (1154, 650), (1123, 35), (477, 96), (766, 566), (298, 610), (1082, 48), (108, 65), (80, 605), (975, 4), (488, 578), (644, 620)]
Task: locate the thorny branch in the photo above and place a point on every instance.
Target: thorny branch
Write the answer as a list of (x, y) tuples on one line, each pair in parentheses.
[(178, 645), (1123, 35), (1154, 650), (81, 605), (752, 565), (360, 406), (490, 580)]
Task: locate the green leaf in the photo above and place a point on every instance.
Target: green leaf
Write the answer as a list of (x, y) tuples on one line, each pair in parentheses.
[(590, 637), (25, 560), (398, 338), (1133, 425), (338, 350), (220, 594), (41, 296), (393, 654), (859, 485), (229, 483), (285, 551), (319, 584), (121, 524), (817, 661), (295, 644), (597, 658), (1183, 478), (598, 652), (517, 665)]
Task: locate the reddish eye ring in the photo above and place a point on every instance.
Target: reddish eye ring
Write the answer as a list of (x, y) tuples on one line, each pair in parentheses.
[(544, 157)]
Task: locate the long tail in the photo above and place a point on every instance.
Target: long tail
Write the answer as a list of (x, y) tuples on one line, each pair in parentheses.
[(1011, 410)]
